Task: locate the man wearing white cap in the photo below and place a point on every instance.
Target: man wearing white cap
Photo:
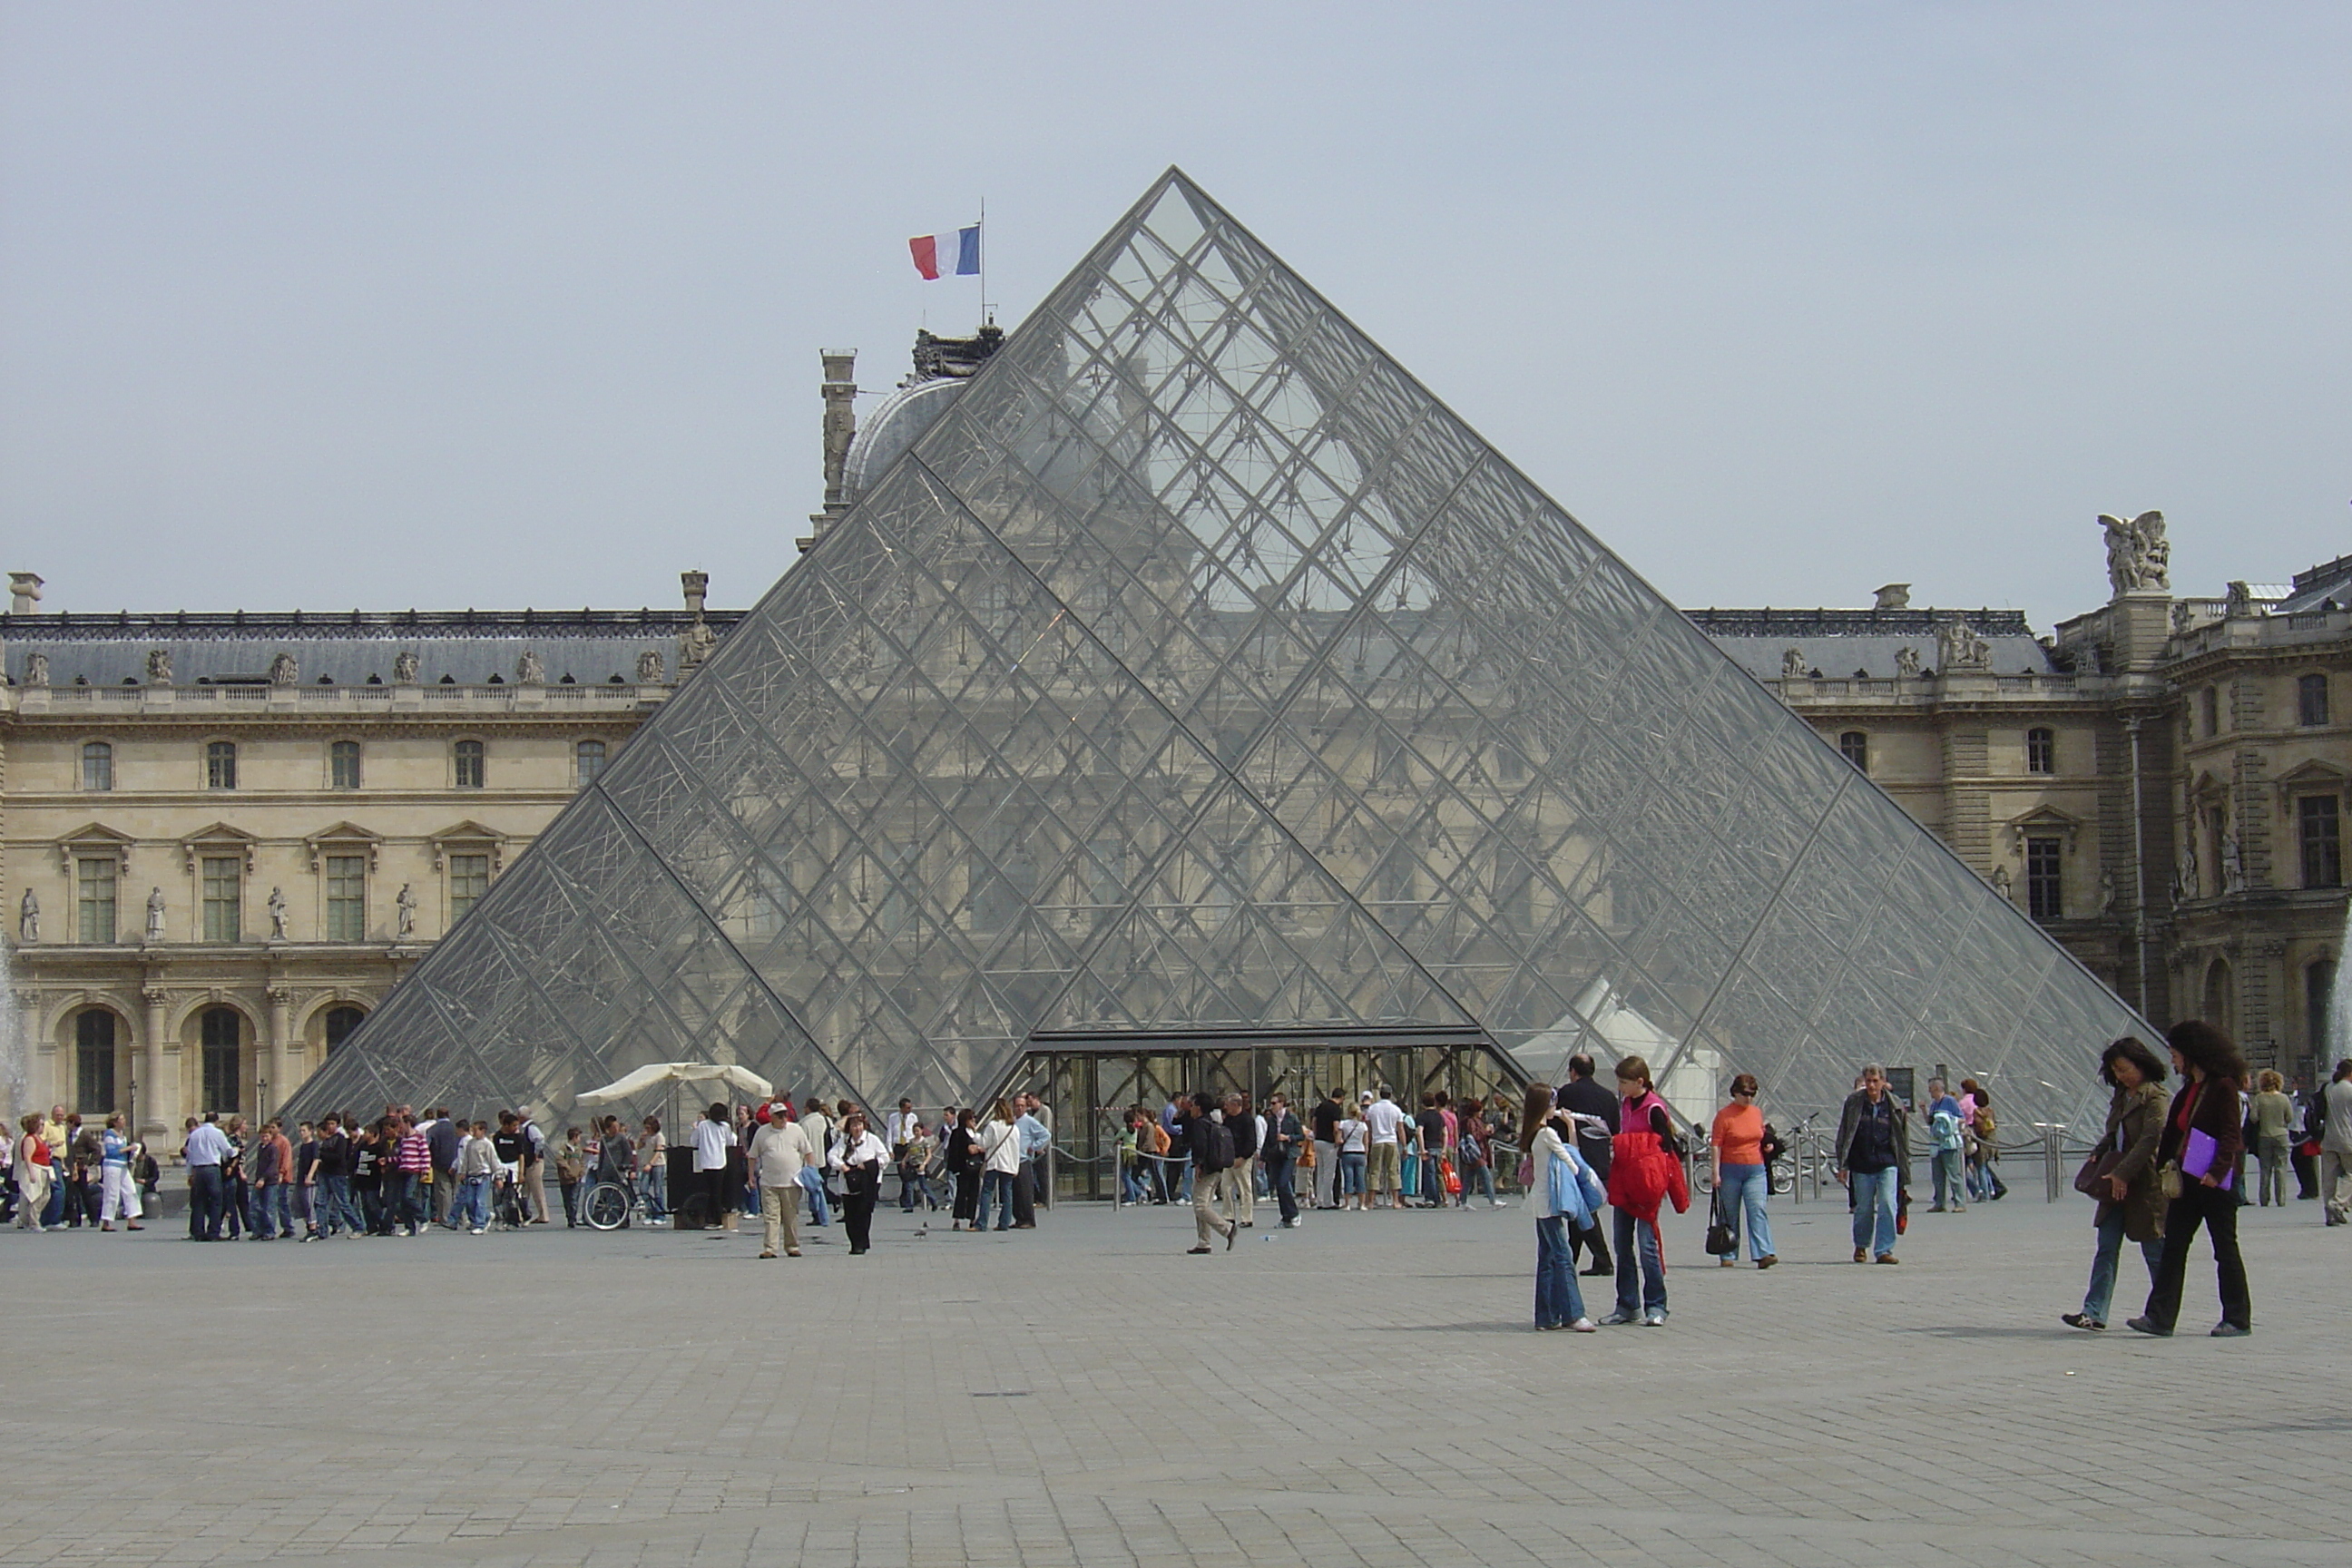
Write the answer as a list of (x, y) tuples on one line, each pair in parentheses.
[(779, 1151)]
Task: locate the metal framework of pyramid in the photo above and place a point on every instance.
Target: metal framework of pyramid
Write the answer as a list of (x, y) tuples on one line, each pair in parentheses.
[(1197, 670)]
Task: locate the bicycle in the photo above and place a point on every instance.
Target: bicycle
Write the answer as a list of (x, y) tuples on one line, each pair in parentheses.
[(608, 1205)]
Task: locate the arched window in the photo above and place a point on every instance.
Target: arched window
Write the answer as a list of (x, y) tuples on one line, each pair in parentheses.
[(343, 766), (588, 755), (94, 1062), (2311, 699), (220, 764), (1854, 747), (469, 757), (97, 765), (340, 1022), (2042, 751), (224, 1041), (2217, 994)]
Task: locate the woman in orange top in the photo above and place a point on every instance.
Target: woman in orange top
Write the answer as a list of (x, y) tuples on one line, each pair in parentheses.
[(1740, 1176)]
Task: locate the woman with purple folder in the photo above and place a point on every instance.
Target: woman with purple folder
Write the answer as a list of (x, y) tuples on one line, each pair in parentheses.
[(2203, 1149)]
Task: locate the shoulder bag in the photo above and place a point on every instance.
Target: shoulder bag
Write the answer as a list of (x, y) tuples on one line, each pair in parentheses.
[(1720, 1240)]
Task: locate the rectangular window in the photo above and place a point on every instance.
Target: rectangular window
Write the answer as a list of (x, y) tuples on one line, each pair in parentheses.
[(591, 755), (222, 1039), (343, 766), (2311, 701), (469, 764), (2323, 841), (2044, 895), (94, 884), (220, 764), (223, 901), (94, 1062), (97, 765), (346, 897), (1854, 747), (2042, 751), (469, 879), (2209, 701)]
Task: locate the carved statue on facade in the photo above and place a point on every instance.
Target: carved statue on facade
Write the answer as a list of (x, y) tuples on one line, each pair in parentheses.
[(695, 646), (277, 914), (404, 668), (284, 670), (1906, 663), (159, 667), (406, 906), (2001, 881), (29, 920), (1792, 663), (529, 670), (2106, 891), (155, 915), (2184, 875), (36, 670), (2139, 558), (2233, 865), (2239, 603), (1959, 649), (2182, 617), (649, 667)]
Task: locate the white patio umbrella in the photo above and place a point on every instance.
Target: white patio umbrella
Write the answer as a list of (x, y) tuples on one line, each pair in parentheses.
[(634, 1084)]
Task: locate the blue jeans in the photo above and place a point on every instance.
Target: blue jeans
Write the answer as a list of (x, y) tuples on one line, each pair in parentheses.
[(2103, 1261), (655, 1180), (1558, 1301), (472, 1202), (1874, 1209), (1352, 1172), (204, 1202), (1130, 1186), (336, 1210), (1641, 1270), (1000, 1183), (269, 1208), (1744, 1188), (1950, 1177)]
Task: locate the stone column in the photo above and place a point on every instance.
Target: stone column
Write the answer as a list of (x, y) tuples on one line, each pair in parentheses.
[(156, 1107), (281, 1029)]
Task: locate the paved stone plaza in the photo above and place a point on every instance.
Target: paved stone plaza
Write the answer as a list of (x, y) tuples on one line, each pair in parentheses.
[(1364, 1390)]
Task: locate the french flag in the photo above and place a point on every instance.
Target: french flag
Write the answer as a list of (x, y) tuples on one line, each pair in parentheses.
[(939, 255)]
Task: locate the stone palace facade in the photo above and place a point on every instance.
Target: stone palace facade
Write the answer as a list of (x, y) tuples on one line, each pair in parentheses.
[(225, 837)]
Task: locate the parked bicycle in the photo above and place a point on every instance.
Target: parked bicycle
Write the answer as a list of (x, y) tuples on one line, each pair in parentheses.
[(608, 1205)]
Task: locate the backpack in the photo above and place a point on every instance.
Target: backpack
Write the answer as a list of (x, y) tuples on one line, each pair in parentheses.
[(1221, 1148), (1985, 1125)]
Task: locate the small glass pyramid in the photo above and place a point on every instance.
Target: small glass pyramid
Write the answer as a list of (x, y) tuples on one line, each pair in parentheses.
[(1197, 670)]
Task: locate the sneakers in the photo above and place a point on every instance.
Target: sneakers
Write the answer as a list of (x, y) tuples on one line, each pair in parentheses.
[(2147, 1326), (1655, 1318), (476, 1230), (1584, 1326), (1505, 1203), (1619, 1320), (2082, 1320)]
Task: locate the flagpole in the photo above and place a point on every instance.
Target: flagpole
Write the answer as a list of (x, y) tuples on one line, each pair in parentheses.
[(985, 319)]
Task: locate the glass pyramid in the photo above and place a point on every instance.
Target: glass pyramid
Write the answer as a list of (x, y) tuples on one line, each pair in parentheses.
[(1198, 671)]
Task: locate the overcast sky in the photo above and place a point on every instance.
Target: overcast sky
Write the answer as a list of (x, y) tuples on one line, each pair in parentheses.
[(504, 305)]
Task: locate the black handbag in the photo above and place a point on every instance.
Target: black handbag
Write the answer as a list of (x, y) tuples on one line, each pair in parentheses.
[(1722, 1241)]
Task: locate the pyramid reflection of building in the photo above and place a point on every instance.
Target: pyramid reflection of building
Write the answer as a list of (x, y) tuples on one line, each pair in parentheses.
[(1197, 676)]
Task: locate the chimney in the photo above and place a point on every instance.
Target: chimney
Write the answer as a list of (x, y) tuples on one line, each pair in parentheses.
[(698, 588), (840, 393), (1893, 596), (23, 592)]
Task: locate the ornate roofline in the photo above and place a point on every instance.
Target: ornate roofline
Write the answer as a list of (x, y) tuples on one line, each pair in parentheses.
[(294, 625), (1851, 623)]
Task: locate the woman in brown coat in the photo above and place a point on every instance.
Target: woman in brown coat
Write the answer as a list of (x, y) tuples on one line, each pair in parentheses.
[(2203, 1136), (2131, 1203)]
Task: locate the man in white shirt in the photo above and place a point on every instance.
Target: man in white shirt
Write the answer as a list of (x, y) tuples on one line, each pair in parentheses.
[(779, 1151), (1384, 1117), (898, 1129), (207, 1149), (2335, 1144)]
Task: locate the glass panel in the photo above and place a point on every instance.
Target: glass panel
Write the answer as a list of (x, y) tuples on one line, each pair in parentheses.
[(343, 764), (94, 1062), (1196, 670), (469, 879), (220, 764)]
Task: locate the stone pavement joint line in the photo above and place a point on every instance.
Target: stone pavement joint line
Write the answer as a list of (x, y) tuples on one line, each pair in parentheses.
[(1365, 1390)]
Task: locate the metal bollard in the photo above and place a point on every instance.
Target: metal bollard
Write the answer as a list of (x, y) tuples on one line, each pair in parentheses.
[(2052, 1157)]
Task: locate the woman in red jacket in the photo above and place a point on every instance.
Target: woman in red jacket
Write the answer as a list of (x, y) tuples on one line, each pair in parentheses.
[(2203, 1137)]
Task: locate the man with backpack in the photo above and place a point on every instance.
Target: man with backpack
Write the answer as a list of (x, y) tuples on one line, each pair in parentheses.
[(534, 1166), (1211, 1145), (1948, 1138)]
